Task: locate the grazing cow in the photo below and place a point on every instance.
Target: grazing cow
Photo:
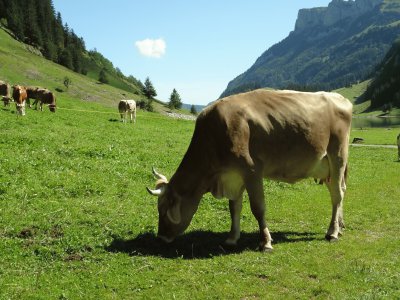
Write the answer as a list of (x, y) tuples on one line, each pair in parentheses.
[(41, 96), (241, 139), (125, 107), (398, 146), (32, 94), (19, 95), (5, 91)]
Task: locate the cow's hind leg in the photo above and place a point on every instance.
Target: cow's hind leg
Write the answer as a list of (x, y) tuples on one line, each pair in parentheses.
[(235, 208), (255, 190), (337, 188)]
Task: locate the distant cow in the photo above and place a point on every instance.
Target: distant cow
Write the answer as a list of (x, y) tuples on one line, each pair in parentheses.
[(32, 94), (398, 146), (5, 91), (125, 107), (19, 95), (241, 139), (41, 96)]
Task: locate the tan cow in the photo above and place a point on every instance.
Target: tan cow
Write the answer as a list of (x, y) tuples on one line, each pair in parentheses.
[(241, 139), (5, 91), (125, 107), (19, 95)]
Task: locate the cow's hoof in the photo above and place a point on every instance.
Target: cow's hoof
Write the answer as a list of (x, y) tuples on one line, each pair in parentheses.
[(331, 239), (265, 247), (230, 242)]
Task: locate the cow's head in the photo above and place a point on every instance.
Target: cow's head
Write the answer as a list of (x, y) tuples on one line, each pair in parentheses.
[(52, 107), (20, 108), (173, 219)]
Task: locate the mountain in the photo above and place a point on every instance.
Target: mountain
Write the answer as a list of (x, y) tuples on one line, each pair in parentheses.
[(384, 89), (330, 47)]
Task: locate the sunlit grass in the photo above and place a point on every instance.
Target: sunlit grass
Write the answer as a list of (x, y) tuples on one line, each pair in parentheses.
[(77, 222)]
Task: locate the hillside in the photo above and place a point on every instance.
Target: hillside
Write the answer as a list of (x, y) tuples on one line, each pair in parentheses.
[(331, 47), (384, 89), (20, 63)]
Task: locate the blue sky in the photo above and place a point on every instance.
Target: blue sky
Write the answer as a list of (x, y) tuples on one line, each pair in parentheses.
[(196, 47)]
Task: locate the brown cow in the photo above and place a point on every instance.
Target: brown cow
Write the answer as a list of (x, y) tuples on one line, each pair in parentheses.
[(19, 96), (5, 91), (41, 96), (241, 139)]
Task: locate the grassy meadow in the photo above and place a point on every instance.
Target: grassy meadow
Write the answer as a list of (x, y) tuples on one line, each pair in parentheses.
[(77, 223)]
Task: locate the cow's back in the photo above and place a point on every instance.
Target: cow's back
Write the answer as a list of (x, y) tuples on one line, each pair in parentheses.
[(126, 105), (19, 94), (286, 131), (4, 88)]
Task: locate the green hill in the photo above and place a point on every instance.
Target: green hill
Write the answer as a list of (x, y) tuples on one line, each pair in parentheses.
[(331, 47), (384, 89), (22, 64)]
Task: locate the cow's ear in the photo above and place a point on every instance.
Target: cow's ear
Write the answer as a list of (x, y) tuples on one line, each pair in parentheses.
[(174, 212)]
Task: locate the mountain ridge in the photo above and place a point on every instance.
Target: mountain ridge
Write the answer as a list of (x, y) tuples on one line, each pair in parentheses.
[(326, 57)]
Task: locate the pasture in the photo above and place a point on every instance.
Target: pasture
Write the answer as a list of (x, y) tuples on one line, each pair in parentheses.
[(77, 223)]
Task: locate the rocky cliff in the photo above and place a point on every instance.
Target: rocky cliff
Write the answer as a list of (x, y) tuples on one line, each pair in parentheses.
[(336, 11)]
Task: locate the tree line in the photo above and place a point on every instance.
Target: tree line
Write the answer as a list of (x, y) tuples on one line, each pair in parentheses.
[(35, 22), (384, 89)]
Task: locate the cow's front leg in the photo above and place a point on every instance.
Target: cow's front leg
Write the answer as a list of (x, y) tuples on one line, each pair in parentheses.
[(256, 195), (235, 208)]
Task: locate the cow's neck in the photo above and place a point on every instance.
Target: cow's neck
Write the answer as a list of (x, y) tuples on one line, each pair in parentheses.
[(192, 175)]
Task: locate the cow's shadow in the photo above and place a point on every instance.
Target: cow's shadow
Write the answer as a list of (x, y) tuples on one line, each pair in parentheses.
[(200, 244)]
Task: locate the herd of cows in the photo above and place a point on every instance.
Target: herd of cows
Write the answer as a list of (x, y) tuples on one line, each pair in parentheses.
[(238, 141), (22, 95)]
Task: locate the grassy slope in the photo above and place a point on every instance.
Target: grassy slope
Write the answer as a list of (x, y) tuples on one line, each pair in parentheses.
[(356, 90), (18, 65)]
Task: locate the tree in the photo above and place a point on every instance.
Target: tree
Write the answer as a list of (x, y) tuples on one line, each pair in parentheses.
[(67, 81), (175, 100), (65, 59), (193, 110), (103, 76), (149, 90)]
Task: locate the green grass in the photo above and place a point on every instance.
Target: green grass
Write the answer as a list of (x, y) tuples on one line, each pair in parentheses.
[(376, 136), (77, 223)]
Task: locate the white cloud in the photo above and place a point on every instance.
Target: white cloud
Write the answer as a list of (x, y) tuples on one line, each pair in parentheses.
[(151, 48)]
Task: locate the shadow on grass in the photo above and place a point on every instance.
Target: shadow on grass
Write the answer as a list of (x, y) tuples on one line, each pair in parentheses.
[(199, 244)]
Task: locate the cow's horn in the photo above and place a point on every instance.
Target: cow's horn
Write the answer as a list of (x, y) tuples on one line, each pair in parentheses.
[(158, 175), (157, 192)]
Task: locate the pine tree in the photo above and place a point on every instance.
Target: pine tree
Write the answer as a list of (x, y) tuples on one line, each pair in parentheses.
[(15, 19), (175, 100), (193, 110), (66, 59), (3, 7), (149, 90), (103, 76)]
